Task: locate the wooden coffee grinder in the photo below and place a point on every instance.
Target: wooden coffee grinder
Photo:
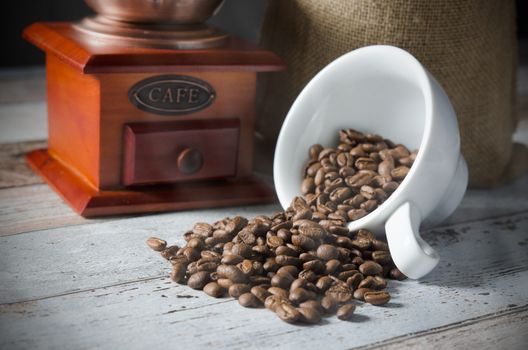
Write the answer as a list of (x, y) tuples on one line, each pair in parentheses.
[(149, 109)]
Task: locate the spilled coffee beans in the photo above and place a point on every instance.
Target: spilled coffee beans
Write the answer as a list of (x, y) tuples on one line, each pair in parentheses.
[(303, 263)]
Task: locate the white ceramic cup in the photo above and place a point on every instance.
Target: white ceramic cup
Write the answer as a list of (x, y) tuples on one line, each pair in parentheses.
[(384, 90)]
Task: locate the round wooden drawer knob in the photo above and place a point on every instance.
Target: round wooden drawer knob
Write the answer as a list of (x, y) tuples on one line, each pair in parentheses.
[(190, 160)]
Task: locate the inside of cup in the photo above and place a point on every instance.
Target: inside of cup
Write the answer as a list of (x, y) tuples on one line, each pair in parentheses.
[(376, 89)]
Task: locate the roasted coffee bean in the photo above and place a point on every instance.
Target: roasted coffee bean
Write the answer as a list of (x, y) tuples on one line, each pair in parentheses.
[(380, 245), (242, 249), (369, 205), (285, 234), (354, 280), (333, 266), (343, 276), (156, 244), (307, 257), (365, 163), (359, 179), (361, 243), (312, 169), (273, 301), (298, 295), (329, 304), (260, 280), (271, 265), (308, 185), (360, 293), (390, 186), (204, 265), (316, 266), (196, 243), (260, 292), (356, 214), (299, 283), (224, 283), (287, 312), (285, 250), (357, 260), (232, 259), (346, 311), (327, 252), (340, 291), (214, 290), (283, 281), (381, 257), (315, 150), (377, 297), (203, 229), (248, 300), (237, 289), (274, 241), (169, 252), (315, 304), (385, 167), (340, 194), (284, 260), (308, 275), (250, 267), (199, 279), (399, 173), (236, 224), (304, 242), (369, 268), (396, 274), (233, 273), (309, 315), (288, 269), (369, 282), (278, 291), (178, 272), (323, 283)]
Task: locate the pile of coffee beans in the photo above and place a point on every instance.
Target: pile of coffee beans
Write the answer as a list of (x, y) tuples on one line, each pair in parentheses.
[(348, 182), (303, 263)]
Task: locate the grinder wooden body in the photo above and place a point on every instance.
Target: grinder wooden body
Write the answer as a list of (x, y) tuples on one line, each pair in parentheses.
[(140, 129)]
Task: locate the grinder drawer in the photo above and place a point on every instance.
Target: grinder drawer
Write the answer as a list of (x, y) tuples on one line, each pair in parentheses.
[(164, 152)]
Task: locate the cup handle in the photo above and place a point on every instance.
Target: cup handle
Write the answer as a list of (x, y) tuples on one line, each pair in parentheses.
[(411, 254)]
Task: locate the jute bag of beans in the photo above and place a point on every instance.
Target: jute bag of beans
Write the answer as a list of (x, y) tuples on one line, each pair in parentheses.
[(468, 45)]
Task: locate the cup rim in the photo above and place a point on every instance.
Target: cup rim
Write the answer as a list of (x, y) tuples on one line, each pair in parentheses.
[(421, 76)]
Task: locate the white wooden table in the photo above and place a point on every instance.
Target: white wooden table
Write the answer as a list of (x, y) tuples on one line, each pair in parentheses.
[(71, 283)]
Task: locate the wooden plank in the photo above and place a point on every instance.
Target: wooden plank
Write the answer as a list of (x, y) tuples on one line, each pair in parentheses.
[(94, 254), (14, 170), (502, 330), (33, 208), (23, 122), (484, 270)]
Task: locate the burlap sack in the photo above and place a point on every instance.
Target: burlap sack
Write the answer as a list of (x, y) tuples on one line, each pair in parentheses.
[(468, 45)]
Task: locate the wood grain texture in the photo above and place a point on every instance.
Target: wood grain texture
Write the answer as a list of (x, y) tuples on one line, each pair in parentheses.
[(34, 208), (152, 150), (235, 98), (85, 306), (14, 170), (91, 202), (502, 330), (97, 253)]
